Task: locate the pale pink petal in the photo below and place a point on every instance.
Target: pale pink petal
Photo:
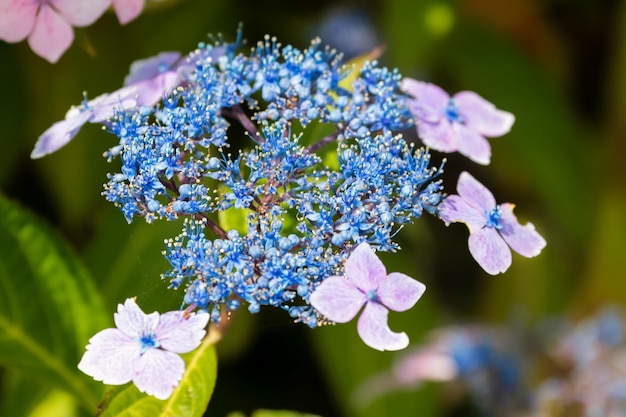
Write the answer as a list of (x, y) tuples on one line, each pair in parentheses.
[(438, 136), (375, 332), (400, 292), (522, 239), (111, 357), (455, 209), (179, 334), (158, 373), (432, 99), (59, 134), (150, 92), (145, 69), (490, 250), (127, 10), (364, 269), (482, 116), (105, 106), (474, 193), (51, 35), (131, 320), (17, 18), (472, 144), (426, 365), (81, 12), (337, 299)]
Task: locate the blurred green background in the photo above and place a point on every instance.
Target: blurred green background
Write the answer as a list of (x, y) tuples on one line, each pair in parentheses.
[(558, 65)]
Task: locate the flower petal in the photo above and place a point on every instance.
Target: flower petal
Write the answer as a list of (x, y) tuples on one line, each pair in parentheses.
[(127, 10), (438, 136), (105, 105), (472, 144), (428, 364), (158, 373), (131, 320), (149, 92), (17, 18), (482, 116), (337, 299), (51, 35), (400, 292), (179, 334), (145, 69), (364, 269), (81, 12), (111, 357), (375, 332), (431, 98), (474, 193), (522, 239), (59, 134), (455, 209), (490, 250)]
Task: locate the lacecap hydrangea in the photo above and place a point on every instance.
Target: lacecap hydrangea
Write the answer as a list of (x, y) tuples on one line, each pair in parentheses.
[(280, 162)]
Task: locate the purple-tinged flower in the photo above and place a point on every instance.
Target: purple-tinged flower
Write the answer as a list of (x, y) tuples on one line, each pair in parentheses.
[(493, 228), (149, 79), (456, 124), (152, 77), (47, 24), (144, 349), (366, 283), (93, 111)]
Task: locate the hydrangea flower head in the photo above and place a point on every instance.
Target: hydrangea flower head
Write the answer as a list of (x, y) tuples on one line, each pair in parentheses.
[(366, 283), (493, 228), (47, 23), (144, 349), (456, 124)]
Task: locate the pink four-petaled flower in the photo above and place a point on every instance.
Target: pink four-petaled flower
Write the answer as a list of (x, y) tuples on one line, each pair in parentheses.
[(456, 124), (48, 23), (144, 349), (366, 283), (493, 228)]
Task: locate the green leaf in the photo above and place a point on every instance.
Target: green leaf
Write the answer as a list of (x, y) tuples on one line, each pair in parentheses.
[(24, 396), (272, 413), (280, 413), (48, 306), (189, 399)]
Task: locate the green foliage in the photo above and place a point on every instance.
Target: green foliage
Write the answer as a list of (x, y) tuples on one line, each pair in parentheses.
[(48, 305)]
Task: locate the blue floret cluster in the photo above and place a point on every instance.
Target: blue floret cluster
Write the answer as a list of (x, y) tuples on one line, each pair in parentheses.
[(279, 162)]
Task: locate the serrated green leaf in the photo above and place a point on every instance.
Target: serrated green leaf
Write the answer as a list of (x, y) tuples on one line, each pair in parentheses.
[(189, 399), (48, 306)]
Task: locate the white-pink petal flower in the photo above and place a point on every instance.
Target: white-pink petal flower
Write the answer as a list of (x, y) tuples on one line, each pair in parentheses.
[(144, 349), (366, 283), (493, 228), (455, 124)]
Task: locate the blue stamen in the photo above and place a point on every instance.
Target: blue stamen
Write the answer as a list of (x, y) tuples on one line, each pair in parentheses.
[(493, 218), (452, 112), (372, 295), (148, 342)]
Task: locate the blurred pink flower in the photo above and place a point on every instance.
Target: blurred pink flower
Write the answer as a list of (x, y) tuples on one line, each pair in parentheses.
[(127, 10), (47, 23)]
